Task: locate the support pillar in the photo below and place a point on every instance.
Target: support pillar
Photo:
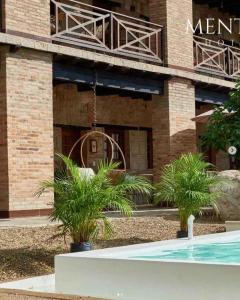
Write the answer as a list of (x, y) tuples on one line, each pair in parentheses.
[(173, 131), (26, 132), (26, 113), (178, 44), (4, 188)]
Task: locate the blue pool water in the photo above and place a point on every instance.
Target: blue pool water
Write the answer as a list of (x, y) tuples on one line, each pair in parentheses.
[(225, 252)]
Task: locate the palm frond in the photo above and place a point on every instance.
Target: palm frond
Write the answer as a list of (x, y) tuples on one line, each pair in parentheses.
[(80, 202), (186, 183)]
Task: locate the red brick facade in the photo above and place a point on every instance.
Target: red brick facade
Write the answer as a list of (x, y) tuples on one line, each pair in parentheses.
[(34, 112)]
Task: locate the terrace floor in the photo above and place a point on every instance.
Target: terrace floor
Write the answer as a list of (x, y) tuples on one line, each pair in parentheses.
[(29, 251)]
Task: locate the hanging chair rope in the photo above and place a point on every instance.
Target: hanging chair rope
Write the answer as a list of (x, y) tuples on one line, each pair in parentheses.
[(85, 137), (94, 123)]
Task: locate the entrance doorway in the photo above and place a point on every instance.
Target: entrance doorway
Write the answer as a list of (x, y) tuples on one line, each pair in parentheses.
[(69, 138), (118, 136)]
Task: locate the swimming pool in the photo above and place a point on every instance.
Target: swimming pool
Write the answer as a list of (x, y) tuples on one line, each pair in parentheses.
[(206, 268), (222, 252)]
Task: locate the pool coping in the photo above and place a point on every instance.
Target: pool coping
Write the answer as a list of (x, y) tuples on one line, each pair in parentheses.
[(116, 252), (15, 294), (114, 274)]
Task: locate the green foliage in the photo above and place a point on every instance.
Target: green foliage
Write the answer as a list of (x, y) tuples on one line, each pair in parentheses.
[(186, 183), (80, 201), (223, 130)]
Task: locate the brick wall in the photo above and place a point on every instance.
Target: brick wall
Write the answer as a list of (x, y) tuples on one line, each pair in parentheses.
[(124, 111), (28, 16), (173, 131), (75, 108), (173, 15), (29, 127), (71, 107)]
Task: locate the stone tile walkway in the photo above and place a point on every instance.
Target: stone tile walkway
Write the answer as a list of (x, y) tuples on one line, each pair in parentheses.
[(44, 221), (26, 222)]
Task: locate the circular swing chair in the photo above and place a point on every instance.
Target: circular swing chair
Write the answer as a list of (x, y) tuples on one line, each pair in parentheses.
[(87, 171)]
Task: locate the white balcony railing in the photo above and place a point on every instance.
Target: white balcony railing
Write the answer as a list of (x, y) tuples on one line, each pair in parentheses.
[(81, 25), (215, 58)]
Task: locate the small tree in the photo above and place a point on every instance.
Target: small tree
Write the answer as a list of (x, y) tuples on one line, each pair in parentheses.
[(223, 129), (80, 201), (186, 183)]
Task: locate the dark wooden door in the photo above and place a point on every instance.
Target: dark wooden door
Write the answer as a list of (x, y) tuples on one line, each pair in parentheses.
[(118, 136), (69, 138)]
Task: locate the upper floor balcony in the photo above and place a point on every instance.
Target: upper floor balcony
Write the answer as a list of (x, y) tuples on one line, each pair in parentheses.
[(122, 28), (216, 58), (81, 25), (103, 30)]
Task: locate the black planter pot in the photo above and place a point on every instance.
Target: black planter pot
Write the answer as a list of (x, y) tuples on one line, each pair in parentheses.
[(182, 234), (81, 247)]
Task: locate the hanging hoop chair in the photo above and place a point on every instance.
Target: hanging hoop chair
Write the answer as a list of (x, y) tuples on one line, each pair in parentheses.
[(112, 142), (115, 174)]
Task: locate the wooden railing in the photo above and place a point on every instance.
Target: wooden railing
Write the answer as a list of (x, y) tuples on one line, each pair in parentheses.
[(215, 58), (81, 25)]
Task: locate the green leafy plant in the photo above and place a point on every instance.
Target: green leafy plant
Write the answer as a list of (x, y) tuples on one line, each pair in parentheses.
[(80, 200), (186, 183), (223, 128)]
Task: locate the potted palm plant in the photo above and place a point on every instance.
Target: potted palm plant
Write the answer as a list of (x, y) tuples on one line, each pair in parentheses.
[(80, 201), (186, 183)]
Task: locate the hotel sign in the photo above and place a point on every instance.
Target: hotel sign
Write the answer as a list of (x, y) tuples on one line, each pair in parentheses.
[(212, 26)]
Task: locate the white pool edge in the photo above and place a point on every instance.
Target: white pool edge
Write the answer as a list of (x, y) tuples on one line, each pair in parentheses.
[(117, 252), (111, 274), (34, 284), (97, 268)]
